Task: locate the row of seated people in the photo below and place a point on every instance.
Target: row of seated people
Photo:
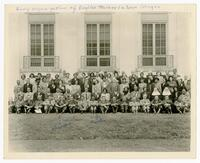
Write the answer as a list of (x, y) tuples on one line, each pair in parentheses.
[(101, 92)]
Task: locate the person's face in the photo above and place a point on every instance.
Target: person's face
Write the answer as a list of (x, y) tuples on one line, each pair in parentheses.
[(104, 91), (86, 89), (44, 79), (57, 90), (183, 91), (23, 77), (18, 82), (170, 78), (142, 74), (156, 97), (144, 96)]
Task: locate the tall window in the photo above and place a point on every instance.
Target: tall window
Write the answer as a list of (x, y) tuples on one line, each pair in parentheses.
[(154, 44), (98, 45), (42, 44)]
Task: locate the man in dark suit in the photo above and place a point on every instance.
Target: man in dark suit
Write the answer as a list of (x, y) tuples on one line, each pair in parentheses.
[(27, 85), (38, 93)]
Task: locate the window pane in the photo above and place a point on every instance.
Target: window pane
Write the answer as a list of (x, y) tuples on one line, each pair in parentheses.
[(147, 62), (48, 35), (104, 39), (35, 62), (161, 61), (35, 40), (91, 61), (160, 39), (104, 61), (49, 62), (147, 39)]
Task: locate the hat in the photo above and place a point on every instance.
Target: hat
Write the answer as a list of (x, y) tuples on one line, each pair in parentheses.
[(155, 92), (166, 92)]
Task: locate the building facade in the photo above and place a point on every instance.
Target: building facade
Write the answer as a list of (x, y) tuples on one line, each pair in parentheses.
[(123, 41)]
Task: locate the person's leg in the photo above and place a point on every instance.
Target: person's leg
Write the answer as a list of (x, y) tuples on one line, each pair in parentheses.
[(102, 109), (179, 109), (159, 109), (154, 109)]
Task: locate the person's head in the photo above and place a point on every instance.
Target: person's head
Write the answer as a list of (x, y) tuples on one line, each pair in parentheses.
[(57, 90), (116, 74), (23, 76), (18, 82), (39, 75), (105, 90), (156, 98), (166, 97), (28, 89), (67, 75), (158, 73), (68, 90), (156, 80), (56, 76), (75, 75), (184, 91), (142, 74), (44, 79), (86, 89), (20, 97), (170, 78), (149, 80), (125, 89), (104, 79), (39, 97), (114, 98), (135, 88), (31, 75), (123, 80), (144, 96)]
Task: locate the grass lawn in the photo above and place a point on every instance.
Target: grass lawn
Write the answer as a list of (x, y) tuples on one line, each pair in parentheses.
[(88, 132)]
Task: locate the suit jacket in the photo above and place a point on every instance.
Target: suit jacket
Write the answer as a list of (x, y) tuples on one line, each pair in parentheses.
[(27, 86)]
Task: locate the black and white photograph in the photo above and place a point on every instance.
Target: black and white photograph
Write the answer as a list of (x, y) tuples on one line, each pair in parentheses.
[(99, 78)]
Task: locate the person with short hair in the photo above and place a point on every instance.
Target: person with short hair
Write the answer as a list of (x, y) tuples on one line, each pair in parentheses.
[(145, 103), (125, 100), (156, 104), (114, 104), (60, 104), (19, 103), (104, 101), (183, 102), (72, 103), (28, 105)]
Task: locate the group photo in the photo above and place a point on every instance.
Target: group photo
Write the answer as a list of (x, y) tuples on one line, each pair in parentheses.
[(102, 92), (90, 78)]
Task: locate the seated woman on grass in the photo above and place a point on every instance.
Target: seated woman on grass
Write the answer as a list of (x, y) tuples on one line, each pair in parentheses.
[(183, 102)]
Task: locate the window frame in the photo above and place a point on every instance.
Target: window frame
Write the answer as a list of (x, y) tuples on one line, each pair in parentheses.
[(154, 55), (42, 38), (98, 56)]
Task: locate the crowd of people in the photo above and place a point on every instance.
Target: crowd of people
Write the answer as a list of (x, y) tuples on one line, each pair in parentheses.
[(101, 92)]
